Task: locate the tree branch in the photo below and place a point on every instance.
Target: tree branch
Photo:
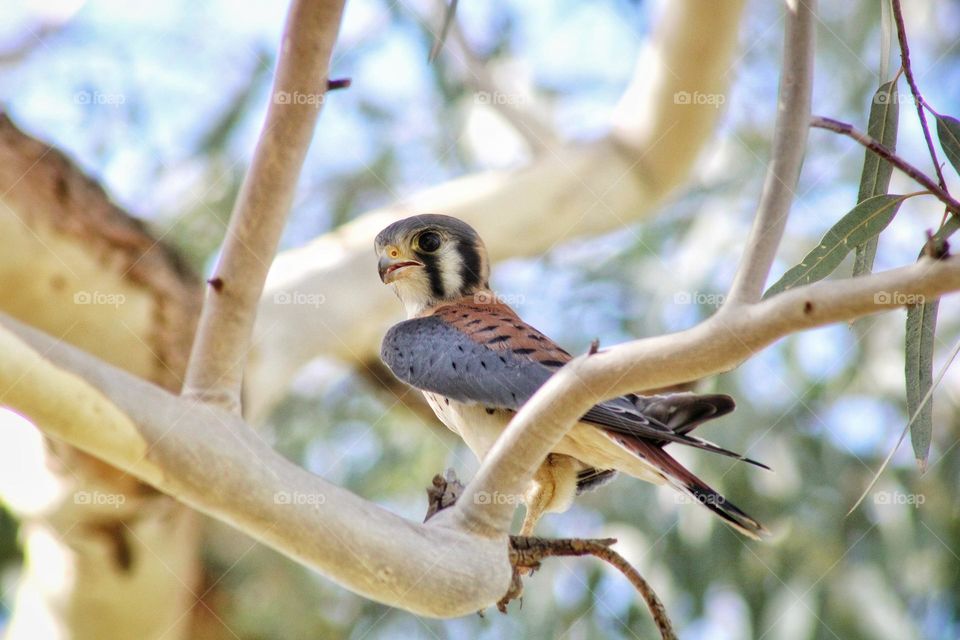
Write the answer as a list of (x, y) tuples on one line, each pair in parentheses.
[(528, 552), (211, 460), (874, 145), (220, 349), (530, 125), (789, 145), (716, 345), (458, 562), (582, 189), (573, 390), (915, 90)]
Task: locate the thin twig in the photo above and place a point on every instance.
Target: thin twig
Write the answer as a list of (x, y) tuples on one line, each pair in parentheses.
[(520, 114), (917, 98), (874, 145), (789, 145), (449, 16), (215, 372), (528, 552)]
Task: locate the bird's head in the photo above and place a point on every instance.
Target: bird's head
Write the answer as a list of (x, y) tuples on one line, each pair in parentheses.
[(431, 259)]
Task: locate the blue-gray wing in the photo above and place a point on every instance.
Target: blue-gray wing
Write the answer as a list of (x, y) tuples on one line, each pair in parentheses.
[(429, 354), (432, 355)]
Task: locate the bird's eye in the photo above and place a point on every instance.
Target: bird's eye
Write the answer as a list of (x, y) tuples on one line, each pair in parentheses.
[(428, 241)]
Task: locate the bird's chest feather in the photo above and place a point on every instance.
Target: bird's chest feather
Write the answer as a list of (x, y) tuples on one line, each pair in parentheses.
[(477, 425)]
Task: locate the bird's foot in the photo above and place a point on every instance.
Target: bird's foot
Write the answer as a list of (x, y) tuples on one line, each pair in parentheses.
[(526, 553), (443, 493)]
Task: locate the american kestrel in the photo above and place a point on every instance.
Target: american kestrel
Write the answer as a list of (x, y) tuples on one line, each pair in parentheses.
[(477, 362)]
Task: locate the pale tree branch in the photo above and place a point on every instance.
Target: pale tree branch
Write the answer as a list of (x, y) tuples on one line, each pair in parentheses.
[(458, 561), (78, 267), (525, 120), (789, 146), (670, 109), (716, 345), (580, 189), (215, 372), (545, 419), (211, 460)]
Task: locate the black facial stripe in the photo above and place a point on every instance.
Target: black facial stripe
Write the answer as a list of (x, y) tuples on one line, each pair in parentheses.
[(469, 266), (431, 263)]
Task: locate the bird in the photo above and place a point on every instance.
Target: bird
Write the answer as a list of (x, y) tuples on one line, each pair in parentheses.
[(477, 362)]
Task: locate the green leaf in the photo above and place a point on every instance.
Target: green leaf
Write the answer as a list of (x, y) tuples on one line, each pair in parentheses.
[(875, 177), (921, 328), (864, 221), (948, 130), (948, 229)]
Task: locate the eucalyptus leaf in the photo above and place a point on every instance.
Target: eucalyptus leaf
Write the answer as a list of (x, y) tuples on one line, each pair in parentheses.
[(864, 221), (948, 130), (875, 177), (921, 328)]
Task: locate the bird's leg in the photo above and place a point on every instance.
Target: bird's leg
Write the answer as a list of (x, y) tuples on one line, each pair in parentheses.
[(538, 497), (552, 489)]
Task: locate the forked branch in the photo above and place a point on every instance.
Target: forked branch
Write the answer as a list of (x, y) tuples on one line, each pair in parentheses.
[(528, 553), (875, 146), (215, 372)]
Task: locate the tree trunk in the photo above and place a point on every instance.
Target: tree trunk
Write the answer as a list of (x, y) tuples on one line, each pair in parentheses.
[(106, 556)]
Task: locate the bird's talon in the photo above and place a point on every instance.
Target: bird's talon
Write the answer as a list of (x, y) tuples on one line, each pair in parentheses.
[(513, 593)]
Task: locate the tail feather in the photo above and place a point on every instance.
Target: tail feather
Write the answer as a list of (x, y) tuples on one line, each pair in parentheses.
[(666, 418), (684, 412), (686, 482), (706, 445)]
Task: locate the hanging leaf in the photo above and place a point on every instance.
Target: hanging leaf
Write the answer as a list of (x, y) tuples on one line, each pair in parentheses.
[(864, 221), (903, 434), (948, 130), (875, 177), (921, 327)]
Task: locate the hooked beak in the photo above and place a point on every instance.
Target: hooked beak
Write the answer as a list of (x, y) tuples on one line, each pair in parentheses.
[(391, 269)]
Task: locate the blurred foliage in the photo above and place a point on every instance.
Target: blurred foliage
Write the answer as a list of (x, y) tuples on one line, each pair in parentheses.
[(822, 408)]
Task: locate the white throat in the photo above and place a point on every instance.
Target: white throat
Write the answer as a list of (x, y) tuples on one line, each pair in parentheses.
[(414, 295)]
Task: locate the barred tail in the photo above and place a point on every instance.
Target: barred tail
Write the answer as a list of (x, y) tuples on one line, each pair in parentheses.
[(684, 481)]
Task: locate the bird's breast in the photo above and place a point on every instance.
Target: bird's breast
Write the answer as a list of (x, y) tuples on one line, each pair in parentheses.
[(479, 426)]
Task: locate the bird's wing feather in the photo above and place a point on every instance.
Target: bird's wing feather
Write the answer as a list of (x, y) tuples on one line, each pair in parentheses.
[(623, 416), (482, 352), (429, 354)]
